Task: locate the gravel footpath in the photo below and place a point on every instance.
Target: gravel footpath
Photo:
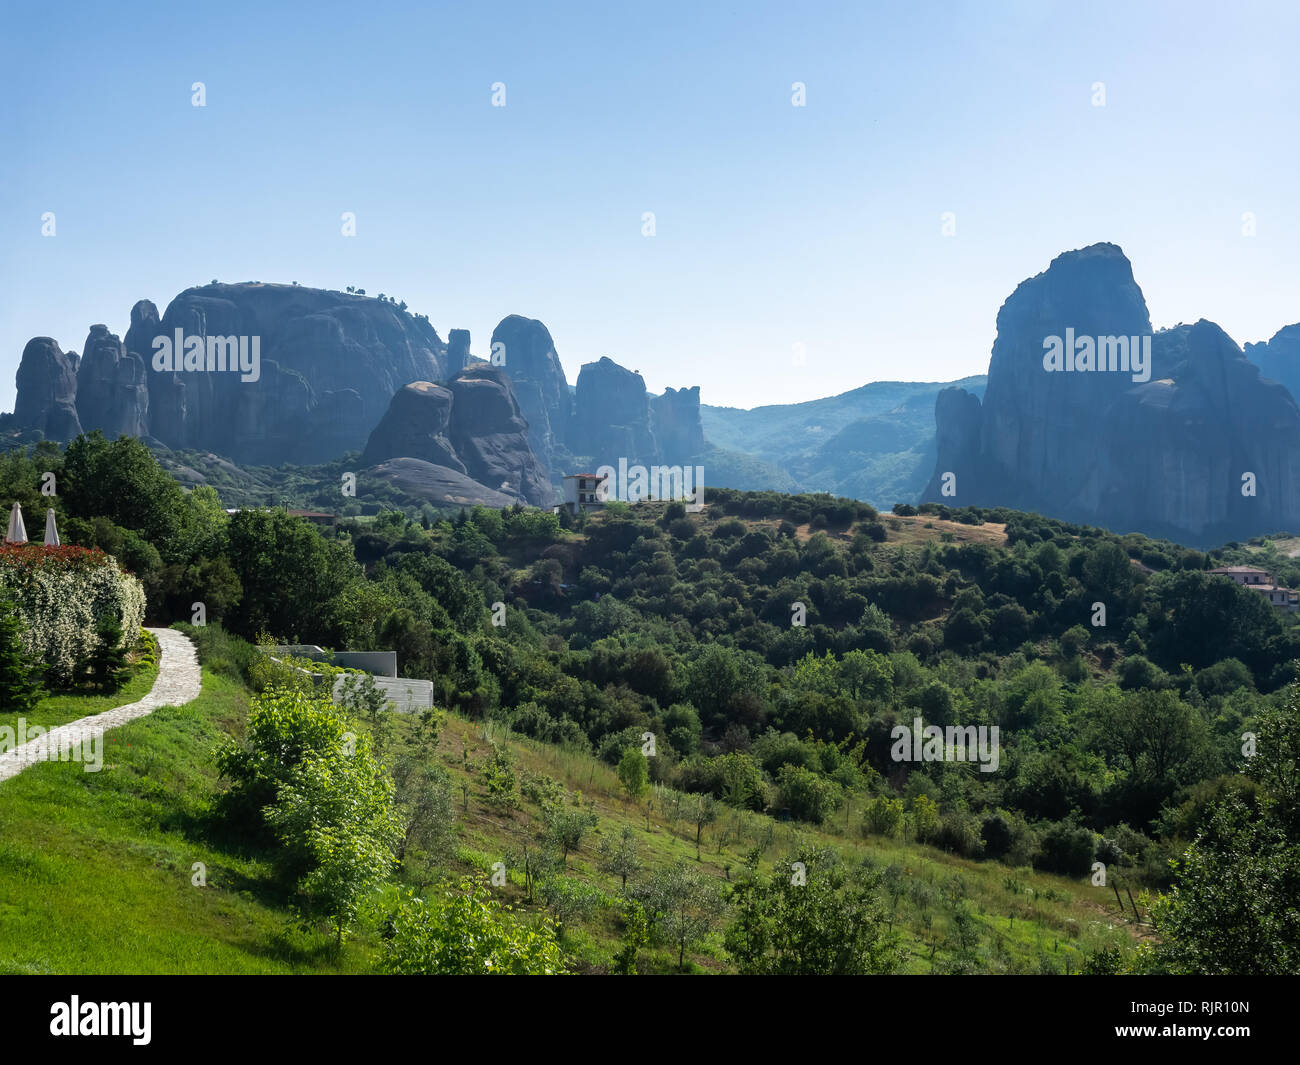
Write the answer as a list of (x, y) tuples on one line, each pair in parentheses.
[(179, 681)]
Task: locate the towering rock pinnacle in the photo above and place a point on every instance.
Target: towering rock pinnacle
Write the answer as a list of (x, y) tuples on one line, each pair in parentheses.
[(47, 390), (1090, 417), (523, 348)]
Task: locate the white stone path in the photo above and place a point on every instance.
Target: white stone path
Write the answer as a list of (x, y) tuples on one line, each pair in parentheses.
[(179, 681)]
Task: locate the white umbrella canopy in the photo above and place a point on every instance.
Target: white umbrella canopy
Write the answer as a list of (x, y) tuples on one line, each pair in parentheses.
[(17, 533), (51, 529)]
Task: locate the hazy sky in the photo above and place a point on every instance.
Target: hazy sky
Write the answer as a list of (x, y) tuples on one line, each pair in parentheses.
[(775, 225)]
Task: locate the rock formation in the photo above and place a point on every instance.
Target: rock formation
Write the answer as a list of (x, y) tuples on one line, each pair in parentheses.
[(675, 421), (612, 415), (1161, 449), (437, 484), (112, 392), (457, 351), (1278, 359), (311, 342), (415, 426), (269, 374), (524, 349), (490, 436), (47, 390), (471, 429)]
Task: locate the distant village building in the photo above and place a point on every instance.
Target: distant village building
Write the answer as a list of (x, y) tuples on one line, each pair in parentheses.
[(583, 491), (1260, 580)]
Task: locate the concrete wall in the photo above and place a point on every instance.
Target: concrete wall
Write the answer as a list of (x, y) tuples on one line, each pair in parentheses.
[(408, 696), (380, 663)]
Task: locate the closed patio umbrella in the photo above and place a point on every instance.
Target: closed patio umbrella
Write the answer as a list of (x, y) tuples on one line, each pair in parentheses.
[(51, 530), (17, 533)]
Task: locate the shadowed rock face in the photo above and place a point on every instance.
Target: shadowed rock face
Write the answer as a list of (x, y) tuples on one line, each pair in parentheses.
[(145, 325), (1178, 446), (328, 365), (457, 351), (1279, 358), (675, 420), (415, 426), (1165, 456), (112, 392), (471, 428), (47, 390), (524, 349), (331, 377), (612, 416), (312, 342), (490, 436)]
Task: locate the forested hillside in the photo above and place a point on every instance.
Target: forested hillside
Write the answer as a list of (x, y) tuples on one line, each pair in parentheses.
[(763, 652)]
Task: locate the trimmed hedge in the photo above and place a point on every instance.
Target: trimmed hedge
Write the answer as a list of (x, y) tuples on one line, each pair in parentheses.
[(60, 594)]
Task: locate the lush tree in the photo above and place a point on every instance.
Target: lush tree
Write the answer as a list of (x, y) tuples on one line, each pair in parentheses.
[(122, 481), (108, 665), (565, 828), (636, 934), (811, 918), (290, 575), (315, 784), (634, 772), (620, 856), (682, 906), (807, 795), (465, 932), (19, 685), (703, 811), (1231, 910)]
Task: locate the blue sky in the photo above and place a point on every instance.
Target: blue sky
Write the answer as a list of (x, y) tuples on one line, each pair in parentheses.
[(775, 225)]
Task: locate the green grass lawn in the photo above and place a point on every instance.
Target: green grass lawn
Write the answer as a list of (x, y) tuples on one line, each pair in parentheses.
[(96, 868), (60, 708)]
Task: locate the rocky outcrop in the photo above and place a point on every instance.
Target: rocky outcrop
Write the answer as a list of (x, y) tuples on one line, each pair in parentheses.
[(1205, 424), (1162, 448), (449, 436), (270, 374), (957, 416), (112, 390), (1278, 359), (310, 342), (437, 484), (145, 325), (675, 422), (415, 426), (457, 351), (47, 390), (612, 415), (524, 349), (490, 436)]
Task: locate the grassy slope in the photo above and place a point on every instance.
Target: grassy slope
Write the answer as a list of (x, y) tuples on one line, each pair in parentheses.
[(95, 869), (62, 708)]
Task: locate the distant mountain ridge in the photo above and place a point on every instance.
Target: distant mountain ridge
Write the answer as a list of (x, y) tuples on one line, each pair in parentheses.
[(874, 443)]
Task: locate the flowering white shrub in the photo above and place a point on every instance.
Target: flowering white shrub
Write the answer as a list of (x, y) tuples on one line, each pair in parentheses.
[(60, 594)]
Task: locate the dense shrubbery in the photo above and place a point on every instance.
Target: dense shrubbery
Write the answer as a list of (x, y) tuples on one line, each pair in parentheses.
[(467, 932), (303, 777), (68, 601)]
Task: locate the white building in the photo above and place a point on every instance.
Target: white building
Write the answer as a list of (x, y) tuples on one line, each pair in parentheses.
[(1260, 580), (583, 491)]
